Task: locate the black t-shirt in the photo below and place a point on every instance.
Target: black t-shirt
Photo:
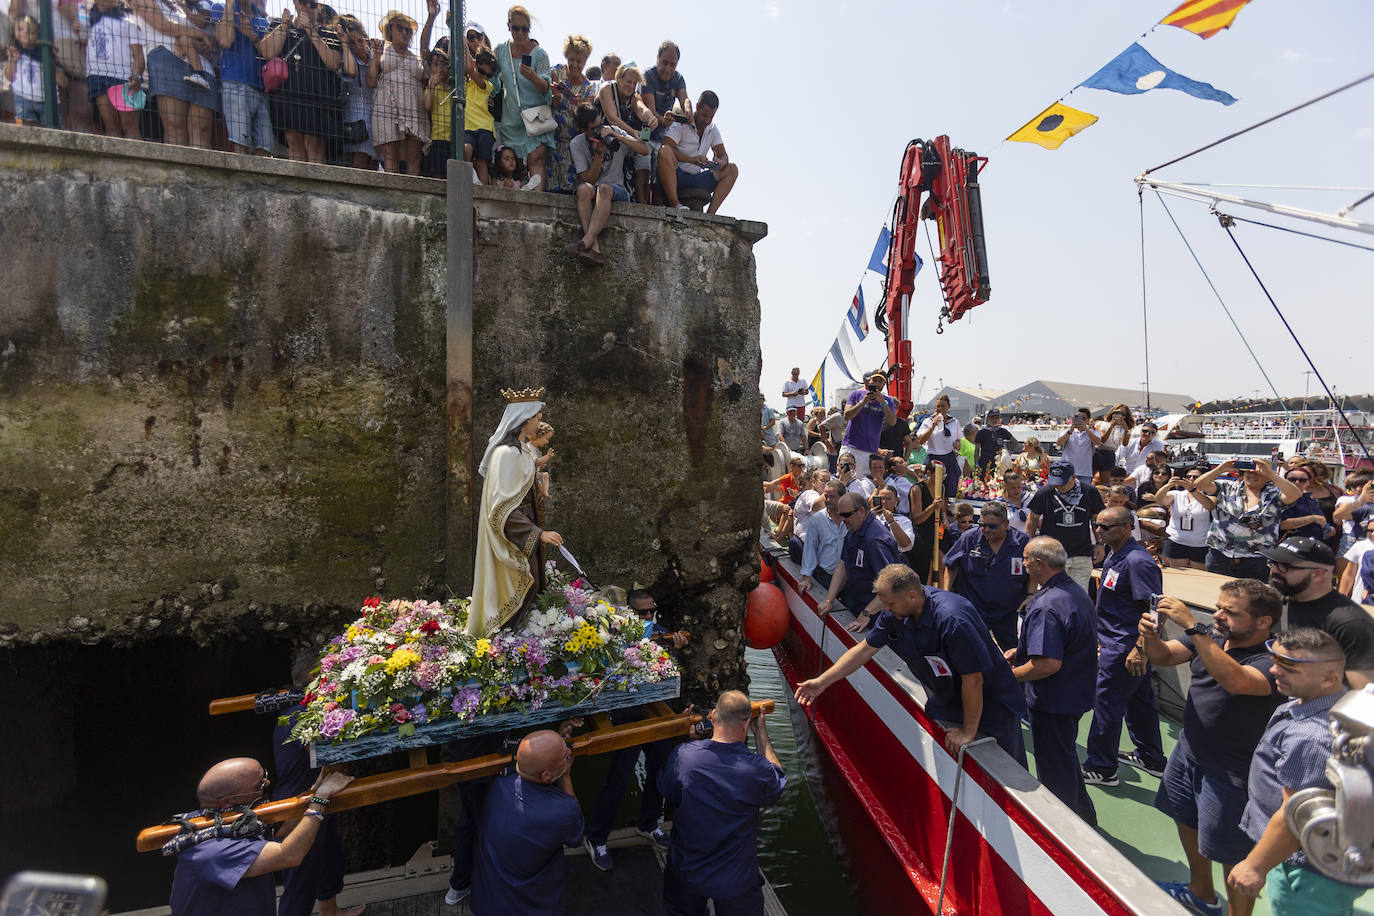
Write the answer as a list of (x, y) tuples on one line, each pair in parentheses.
[(891, 437), (1067, 523), (1221, 730), (1348, 622), (989, 442)]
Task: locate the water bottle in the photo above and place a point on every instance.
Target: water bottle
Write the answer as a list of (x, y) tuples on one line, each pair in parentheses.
[(83, 21)]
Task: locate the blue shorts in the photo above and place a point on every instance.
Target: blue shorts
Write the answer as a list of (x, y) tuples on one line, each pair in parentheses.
[(705, 179), (618, 192), (28, 109), (96, 86), (247, 116), (483, 143), (1209, 804)]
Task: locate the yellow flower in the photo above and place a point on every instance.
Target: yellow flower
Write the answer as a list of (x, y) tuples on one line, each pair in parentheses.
[(401, 659), (351, 633), (483, 646)]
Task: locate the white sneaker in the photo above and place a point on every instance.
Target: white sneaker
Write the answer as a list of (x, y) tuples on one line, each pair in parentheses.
[(534, 183), (195, 79), (682, 207), (453, 897), (475, 179)]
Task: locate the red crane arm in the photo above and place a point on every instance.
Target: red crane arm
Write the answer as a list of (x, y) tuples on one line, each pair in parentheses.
[(950, 179)]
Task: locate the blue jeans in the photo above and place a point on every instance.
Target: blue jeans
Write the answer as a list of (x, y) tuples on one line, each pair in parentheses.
[(1237, 567)]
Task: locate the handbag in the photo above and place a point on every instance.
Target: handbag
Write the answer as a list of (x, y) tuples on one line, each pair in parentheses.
[(275, 71), (355, 132), (539, 119)]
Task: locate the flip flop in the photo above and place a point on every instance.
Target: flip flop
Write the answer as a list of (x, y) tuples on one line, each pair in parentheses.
[(591, 258), (574, 249)]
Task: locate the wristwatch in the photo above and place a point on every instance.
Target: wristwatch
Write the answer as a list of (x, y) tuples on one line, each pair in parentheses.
[(1199, 629)]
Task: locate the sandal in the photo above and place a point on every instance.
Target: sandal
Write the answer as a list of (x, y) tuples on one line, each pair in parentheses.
[(591, 258)]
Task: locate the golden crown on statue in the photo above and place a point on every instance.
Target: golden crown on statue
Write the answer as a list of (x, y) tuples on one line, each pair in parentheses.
[(528, 394)]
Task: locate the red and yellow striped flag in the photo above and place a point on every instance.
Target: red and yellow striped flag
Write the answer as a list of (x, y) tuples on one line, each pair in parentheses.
[(1204, 17)]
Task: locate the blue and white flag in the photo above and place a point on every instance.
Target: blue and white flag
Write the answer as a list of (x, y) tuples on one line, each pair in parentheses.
[(1134, 71), (842, 355), (858, 317), (877, 262)]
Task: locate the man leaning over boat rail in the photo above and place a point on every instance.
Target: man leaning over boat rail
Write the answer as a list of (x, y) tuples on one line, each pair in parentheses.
[(1230, 700), (948, 648), (868, 548)]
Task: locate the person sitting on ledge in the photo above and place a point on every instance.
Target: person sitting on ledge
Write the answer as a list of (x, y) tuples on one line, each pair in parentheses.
[(682, 161), (598, 154)]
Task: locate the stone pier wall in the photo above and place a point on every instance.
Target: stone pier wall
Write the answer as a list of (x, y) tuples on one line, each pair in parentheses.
[(222, 392)]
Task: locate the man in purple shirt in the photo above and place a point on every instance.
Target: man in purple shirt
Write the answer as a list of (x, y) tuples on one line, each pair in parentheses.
[(867, 411), (529, 816), (227, 870), (717, 787)]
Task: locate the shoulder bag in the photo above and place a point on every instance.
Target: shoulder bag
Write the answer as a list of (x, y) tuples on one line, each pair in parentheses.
[(539, 119), (275, 71)]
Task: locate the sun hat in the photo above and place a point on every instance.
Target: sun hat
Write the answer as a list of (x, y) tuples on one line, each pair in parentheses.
[(392, 16)]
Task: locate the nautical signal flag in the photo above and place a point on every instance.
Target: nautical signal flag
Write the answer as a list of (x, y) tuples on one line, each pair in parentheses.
[(1134, 71), (1054, 125), (877, 262), (1204, 17), (858, 317)]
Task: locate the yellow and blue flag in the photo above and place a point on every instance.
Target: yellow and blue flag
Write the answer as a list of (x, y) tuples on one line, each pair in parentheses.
[(1204, 17), (1134, 71), (1053, 126), (817, 389)]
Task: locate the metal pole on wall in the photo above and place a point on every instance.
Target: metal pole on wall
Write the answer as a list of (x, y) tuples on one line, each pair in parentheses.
[(460, 483), (45, 27), (457, 69)]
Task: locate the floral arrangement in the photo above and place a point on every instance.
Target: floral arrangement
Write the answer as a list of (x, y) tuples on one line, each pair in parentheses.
[(991, 486), (405, 663)]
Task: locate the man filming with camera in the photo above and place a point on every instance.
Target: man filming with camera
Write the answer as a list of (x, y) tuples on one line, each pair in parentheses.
[(598, 154), (717, 787)]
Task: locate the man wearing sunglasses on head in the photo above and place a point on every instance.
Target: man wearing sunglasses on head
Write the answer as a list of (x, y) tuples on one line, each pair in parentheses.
[(1301, 569), (1230, 700), (1292, 756)]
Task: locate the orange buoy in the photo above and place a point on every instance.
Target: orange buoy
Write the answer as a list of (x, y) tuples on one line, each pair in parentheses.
[(765, 571), (766, 616)]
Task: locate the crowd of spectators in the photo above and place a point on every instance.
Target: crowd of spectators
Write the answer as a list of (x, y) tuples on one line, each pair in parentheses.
[(317, 86), (1011, 604)]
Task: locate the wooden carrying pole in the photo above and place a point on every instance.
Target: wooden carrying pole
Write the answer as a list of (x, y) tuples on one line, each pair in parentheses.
[(937, 493), (372, 790)]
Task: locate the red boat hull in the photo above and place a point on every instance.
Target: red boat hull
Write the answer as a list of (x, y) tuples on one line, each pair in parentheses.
[(1016, 849)]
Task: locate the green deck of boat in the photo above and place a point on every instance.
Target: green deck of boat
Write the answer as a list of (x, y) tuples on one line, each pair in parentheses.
[(1127, 817)]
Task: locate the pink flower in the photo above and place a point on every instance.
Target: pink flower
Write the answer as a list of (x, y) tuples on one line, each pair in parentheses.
[(399, 713), (376, 660)]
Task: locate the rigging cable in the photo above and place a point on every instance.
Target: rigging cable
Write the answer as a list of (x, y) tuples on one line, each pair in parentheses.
[(1268, 120), (1310, 235), (1222, 303), (1144, 306), (1226, 222), (1345, 211)]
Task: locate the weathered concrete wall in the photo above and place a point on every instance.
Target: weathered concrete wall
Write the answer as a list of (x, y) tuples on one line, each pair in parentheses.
[(222, 391)]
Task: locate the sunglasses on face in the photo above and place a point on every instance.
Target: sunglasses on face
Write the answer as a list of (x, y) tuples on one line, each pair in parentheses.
[(518, 28), (1102, 527), (1289, 662), (990, 526), (846, 514), (1299, 479)]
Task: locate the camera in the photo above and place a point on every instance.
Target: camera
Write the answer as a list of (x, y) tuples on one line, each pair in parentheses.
[(1244, 464), (608, 139), (705, 728), (873, 387)]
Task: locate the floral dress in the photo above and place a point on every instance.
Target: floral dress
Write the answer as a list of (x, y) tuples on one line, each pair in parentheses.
[(561, 175), (398, 106)]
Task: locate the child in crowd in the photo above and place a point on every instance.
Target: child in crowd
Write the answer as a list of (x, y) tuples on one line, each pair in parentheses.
[(439, 104), (113, 60), (479, 127), (506, 169), (24, 70)]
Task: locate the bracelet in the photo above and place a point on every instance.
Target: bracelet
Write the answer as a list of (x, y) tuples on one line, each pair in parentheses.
[(322, 802), (318, 815)]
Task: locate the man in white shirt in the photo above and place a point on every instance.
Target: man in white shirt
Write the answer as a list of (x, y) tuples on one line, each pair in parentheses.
[(1076, 445), (682, 161), (1132, 455), (794, 389)]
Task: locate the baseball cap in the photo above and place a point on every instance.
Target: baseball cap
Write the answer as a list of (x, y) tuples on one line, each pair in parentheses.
[(1061, 472), (994, 412), (1301, 550)]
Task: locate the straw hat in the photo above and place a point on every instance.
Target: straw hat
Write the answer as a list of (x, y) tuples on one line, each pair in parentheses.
[(391, 17)]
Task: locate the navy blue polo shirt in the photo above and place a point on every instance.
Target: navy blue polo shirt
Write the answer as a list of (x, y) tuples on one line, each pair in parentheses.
[(520, 867), (1129, 577), (1061, 519), (1304, 506), (865, 553), (994, 582), (1222, 730), (1061, 623), (716, 789), (209, 880), (946, 642)]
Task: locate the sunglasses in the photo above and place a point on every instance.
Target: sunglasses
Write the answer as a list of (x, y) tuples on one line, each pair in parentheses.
[(1299, 479), (1102, 527), (1291, 663), (846, 514), (1278, 565), (473, 36), (518, 28)]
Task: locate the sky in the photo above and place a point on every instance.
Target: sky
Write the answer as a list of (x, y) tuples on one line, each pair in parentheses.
[(818, 102)]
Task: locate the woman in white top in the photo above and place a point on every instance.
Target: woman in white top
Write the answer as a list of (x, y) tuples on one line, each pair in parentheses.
[(1190, 515), (1032, 459), (939, 433), (1113, 431)]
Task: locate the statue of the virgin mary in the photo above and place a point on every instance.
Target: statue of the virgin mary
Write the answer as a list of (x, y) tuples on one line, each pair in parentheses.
[(509, 569)]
